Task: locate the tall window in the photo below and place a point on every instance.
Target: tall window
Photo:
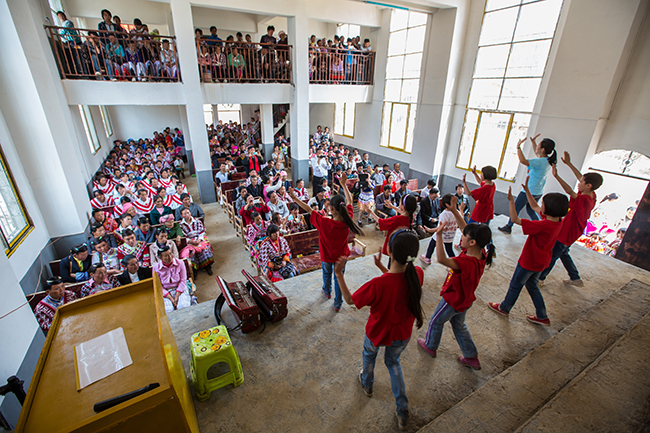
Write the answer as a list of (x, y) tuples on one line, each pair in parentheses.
[(348, 30), (344, 114), (89, 127), (55, 6), (14, 221), (403, 67), (515, 40), (106, 120)]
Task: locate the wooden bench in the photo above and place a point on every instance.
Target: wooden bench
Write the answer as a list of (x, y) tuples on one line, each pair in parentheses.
[(304, 249)]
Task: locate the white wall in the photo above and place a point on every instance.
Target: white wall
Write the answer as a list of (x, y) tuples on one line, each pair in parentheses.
[(629, 122), (227, 22), (91, 162), (152, 13), (321, 114), (137, 121)]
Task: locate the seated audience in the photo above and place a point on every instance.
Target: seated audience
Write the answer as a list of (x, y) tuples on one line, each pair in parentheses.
[(98, 231), (74, 268), (160, 209), (99, 281), (253, 205), (56, 296), (198, 246), (295, 221), (173, 278), (106, 255), (144, 231), (274, 257), (133, 272), (384, 202), (276, 205), (256, 230), (160, 242), (134, 247), (195, 209)]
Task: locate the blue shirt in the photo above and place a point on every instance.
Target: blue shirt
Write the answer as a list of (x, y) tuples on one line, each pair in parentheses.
[(538, 169), (214, 40)]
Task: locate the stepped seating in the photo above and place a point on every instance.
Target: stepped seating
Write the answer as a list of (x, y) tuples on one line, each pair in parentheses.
[(512, 400)]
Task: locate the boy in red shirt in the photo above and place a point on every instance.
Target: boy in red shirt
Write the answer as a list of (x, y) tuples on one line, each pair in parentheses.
[(484, 195), (580, 206), (457, 293), (536, 254), (394, 301)]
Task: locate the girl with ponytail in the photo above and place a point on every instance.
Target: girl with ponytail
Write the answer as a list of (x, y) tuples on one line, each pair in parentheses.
[(394, 301), (333, 237), (538, 170), (457, 293), (403, 219)]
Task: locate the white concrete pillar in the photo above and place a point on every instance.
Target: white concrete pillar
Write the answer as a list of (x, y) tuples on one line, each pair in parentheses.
[(215, 114), (200, 153), (299, 110), (266, 129)]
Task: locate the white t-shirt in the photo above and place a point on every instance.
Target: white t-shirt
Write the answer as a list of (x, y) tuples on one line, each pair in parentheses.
[(449, 232), (134, 277)]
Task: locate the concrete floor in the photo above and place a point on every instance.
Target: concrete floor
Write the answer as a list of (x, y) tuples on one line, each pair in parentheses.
[(301, 373)]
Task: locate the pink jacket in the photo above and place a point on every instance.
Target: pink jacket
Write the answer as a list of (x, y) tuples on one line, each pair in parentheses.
[(173, 277)]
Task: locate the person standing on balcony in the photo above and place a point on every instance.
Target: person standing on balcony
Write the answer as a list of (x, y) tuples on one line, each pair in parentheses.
[(106, 26), (139, 33), (213, 39), (115, 57), (71, 44), (268, 38), (133, 64), (168, 59)]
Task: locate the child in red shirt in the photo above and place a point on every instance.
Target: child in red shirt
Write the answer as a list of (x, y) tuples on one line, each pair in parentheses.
[(457, 293), (484, 196), (580, 206), (536, 254), (333, 237), (394, 301), (403, 219)]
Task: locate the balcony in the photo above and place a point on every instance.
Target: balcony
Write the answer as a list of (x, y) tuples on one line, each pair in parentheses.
[(341, 66), (98, 55)]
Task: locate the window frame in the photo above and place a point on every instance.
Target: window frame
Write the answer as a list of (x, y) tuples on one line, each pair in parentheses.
[(90, 129), (511, 44), (354, 119), (401, 81), (106, 120), (12, 246), (390, 123)]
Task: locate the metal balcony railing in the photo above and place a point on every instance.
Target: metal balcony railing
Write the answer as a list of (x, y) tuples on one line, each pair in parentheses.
[(88, 54), (341, 66), (243, 62)]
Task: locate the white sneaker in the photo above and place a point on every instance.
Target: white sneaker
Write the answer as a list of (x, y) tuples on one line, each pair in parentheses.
[(576, 283)]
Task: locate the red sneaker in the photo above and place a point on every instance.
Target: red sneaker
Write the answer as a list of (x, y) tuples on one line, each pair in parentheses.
[(423, 345), (470, 362), (497, 307), (543, 322)]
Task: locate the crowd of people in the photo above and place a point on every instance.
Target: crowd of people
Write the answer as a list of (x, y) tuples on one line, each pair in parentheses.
[(114, 53), (340, 60), (239, 59), (143, 219), (271, 206)]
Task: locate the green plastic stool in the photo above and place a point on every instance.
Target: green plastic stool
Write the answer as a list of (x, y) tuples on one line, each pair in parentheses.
[(208, 348)]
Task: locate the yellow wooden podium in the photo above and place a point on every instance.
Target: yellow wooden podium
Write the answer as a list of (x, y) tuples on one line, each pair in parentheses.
[(53, 403)]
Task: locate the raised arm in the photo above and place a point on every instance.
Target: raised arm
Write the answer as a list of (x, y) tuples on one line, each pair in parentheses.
[(514, 217), (299, 202), (567, 160), (520, 154), (476, 176), (346, 192), (565, 186), (453, 208), (531, 200), (441, 255), (467, 190)]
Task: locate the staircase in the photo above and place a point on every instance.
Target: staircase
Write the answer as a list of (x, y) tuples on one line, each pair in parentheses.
[(594, 375), (280, 117)]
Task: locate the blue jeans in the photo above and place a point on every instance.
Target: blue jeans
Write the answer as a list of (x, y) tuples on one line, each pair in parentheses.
[(391, 359), (528, 278), (445, 313), (449, 247), (328, 271), (561, 251), (522, 201), (389, 212)]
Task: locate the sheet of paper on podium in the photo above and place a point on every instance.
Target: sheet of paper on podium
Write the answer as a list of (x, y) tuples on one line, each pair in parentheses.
[(100, 357)]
